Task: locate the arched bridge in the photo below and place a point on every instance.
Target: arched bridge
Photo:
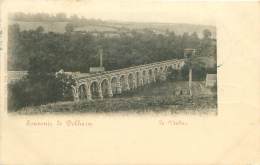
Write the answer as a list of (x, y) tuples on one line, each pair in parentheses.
[(109, 83)]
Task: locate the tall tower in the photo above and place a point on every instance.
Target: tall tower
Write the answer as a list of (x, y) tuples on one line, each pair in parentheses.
[(101, 56), (188, 55), (100, 68)]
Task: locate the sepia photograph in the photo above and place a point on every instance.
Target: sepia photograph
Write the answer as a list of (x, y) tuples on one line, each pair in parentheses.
[(61, 63), (65, 63)]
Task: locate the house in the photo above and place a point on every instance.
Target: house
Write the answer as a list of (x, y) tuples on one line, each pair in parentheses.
[(211, 80)]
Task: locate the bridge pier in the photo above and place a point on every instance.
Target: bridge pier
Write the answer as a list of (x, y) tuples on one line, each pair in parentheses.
[(163, 76), (144, 78), (147, 77), (127, 84), (75, 93), (110, 92), (148, 80), (153, 76), (134, 83), (100, 92), (89, 95), (140, 78), (118, 86)]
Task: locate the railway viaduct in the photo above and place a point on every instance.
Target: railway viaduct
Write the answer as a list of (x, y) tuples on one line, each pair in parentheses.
[(109, 83)]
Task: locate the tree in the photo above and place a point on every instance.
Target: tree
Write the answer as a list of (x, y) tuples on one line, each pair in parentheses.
[(69, 28), (206, 34), (40, 29), (76, 51), (75, 18), (61, 17)]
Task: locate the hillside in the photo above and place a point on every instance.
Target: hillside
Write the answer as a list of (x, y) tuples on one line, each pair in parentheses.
[(162, 28), (57, 27), (178, 28)]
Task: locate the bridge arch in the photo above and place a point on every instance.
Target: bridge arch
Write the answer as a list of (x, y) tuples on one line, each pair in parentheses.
[(164, 68), (94, 89), (124, 82), (82, 92), (131, 81), (160, 70), (139, 81), (144, 77), (114, 85), (173, 66), (150, 75), (156, 73), (162, 73), (168, 67), (105, 87), (169, 71)]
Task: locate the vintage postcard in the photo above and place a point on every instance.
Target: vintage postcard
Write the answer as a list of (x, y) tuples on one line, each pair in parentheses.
[(129, 82), (80, 63)]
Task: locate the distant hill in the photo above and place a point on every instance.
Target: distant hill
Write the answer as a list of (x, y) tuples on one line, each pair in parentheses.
[(178, 28), (59, 26)]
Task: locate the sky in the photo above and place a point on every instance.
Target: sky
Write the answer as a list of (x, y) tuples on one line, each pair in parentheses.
[(165, 11)]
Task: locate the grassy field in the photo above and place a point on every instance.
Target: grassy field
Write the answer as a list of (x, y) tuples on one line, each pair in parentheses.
[(91, 28), (57, 27), (155, 98)]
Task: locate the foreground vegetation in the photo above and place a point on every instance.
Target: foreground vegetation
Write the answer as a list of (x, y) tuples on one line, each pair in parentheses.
[(155, 98)]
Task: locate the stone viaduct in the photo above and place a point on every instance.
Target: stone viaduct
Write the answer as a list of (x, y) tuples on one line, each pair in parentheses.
[(109, 83)]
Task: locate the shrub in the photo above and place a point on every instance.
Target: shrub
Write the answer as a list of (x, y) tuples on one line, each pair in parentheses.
[(214, 88), (17, 95), (48, 88), (212, 70), (174, 75), (198, 72)]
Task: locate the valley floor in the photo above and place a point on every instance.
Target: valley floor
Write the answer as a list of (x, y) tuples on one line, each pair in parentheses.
[(169, 97)]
